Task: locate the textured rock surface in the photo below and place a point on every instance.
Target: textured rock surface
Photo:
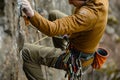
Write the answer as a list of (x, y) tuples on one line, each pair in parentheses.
[(10, 62)]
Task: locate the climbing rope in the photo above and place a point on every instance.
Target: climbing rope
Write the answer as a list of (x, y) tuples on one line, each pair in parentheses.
[(40, 40)]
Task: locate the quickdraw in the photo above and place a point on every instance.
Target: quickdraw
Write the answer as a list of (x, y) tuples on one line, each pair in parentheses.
[(73, 66), (71, 62)]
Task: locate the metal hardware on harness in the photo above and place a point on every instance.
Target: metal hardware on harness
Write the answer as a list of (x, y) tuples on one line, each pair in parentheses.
[(73, 66)]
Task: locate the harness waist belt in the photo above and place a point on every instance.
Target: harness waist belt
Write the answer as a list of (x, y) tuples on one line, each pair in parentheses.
[(82, 55)]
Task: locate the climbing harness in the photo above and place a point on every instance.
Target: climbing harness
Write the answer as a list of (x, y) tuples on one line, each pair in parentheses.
[(71, 62)]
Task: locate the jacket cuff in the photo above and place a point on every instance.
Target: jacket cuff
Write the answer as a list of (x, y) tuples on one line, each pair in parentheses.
[(34, 20)]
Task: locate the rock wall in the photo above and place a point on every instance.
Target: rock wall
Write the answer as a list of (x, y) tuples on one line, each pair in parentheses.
[(115, 11), (8, 49), (10, 62), (61, 5)]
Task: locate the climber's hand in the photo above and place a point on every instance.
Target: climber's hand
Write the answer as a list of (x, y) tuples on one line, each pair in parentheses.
[(26, 7)]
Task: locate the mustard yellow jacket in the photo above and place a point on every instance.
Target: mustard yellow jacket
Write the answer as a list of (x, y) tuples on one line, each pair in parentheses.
[(85, 27)]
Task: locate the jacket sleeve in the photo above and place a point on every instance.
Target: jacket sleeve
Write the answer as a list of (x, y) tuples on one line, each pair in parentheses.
[(81, 21)]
